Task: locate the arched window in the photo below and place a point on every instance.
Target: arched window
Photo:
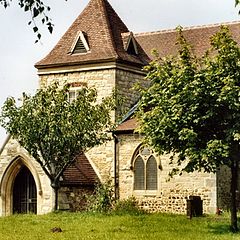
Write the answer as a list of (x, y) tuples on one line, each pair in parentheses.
[(151, 174), (145, 169), (139, 182)]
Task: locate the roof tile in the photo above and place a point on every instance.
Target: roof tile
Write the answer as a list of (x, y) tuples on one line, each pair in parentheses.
[(198, 37), (80, 173), (128, 125)]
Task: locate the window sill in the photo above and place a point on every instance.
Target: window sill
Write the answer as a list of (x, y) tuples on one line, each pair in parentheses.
[(145, 193)]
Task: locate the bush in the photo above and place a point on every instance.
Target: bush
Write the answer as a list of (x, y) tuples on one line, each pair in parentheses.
[(102, 200), (127, 206)]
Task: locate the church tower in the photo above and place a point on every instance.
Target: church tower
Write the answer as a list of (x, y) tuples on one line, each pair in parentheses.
[(97, 51)]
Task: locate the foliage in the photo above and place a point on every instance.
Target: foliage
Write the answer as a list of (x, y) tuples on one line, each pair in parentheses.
[(192, 108), (38, 11), (103, 198), (102, 227), (127, 206), (53, 129), (120, 105), (186, 98), (102, 201)]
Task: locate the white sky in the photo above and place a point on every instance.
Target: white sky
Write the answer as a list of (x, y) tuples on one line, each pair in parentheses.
[(19, 53)]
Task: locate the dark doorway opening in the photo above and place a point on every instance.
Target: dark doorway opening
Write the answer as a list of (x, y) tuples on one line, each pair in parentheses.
[(24, 192)]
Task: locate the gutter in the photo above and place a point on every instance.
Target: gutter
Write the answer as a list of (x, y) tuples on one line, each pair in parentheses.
[(116, 172)]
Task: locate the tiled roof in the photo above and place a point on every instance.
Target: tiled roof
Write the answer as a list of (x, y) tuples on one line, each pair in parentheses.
[(129, 122), (165, 43), (80, 173), (107, 35), (198, 37), (128, 125), (103, 28)]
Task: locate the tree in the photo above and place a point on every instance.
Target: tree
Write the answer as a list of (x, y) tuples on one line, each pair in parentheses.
[(38, 11), (192, 109), (237, 2), (54, 130)]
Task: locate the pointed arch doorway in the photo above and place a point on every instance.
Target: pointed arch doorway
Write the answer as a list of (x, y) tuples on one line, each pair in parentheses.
[(24, 192)]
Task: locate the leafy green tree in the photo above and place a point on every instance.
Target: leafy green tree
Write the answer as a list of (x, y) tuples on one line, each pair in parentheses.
[(55, 130), (38, 11), (192, 109)]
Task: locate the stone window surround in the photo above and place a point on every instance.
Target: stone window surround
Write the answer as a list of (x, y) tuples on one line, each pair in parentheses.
[(145, 192), (73, 90)]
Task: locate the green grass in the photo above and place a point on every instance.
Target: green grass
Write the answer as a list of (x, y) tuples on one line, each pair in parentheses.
[(89, 226)]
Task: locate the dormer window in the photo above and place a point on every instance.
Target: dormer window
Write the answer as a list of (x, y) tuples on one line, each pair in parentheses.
[(80, 44), (131, 46)]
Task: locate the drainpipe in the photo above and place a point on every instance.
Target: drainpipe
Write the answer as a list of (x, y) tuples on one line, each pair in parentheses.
[(116, 182)]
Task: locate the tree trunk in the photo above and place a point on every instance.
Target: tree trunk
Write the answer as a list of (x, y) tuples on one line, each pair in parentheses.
[(56, 199), (55, 186), (234, 187)]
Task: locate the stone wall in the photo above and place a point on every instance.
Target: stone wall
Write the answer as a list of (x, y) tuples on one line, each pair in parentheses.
[(102, 80), (224, 188), (105, 81), (126, 81), (74, 198), (173, 193)]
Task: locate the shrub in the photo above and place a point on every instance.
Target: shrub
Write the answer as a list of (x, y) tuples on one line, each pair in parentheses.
[(102, 200), (127, 206)]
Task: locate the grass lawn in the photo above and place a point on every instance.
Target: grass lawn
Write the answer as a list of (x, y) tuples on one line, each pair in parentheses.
[(89, 226)]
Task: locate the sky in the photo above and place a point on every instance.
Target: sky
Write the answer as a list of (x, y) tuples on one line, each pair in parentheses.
[(19, 52)]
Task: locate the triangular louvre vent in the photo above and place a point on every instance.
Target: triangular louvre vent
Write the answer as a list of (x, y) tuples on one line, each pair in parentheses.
[(80, 45), (131, 50), (131, 47)]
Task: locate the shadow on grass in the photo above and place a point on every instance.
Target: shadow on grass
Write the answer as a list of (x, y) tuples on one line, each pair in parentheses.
[(223, 228), (220, 229)]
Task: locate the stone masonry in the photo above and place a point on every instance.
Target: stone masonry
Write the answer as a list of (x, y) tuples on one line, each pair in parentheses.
[(172, 193), (12, 158), (105, 81)]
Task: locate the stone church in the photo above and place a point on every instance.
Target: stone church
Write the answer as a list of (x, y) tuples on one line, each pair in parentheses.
[(98, 50)]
